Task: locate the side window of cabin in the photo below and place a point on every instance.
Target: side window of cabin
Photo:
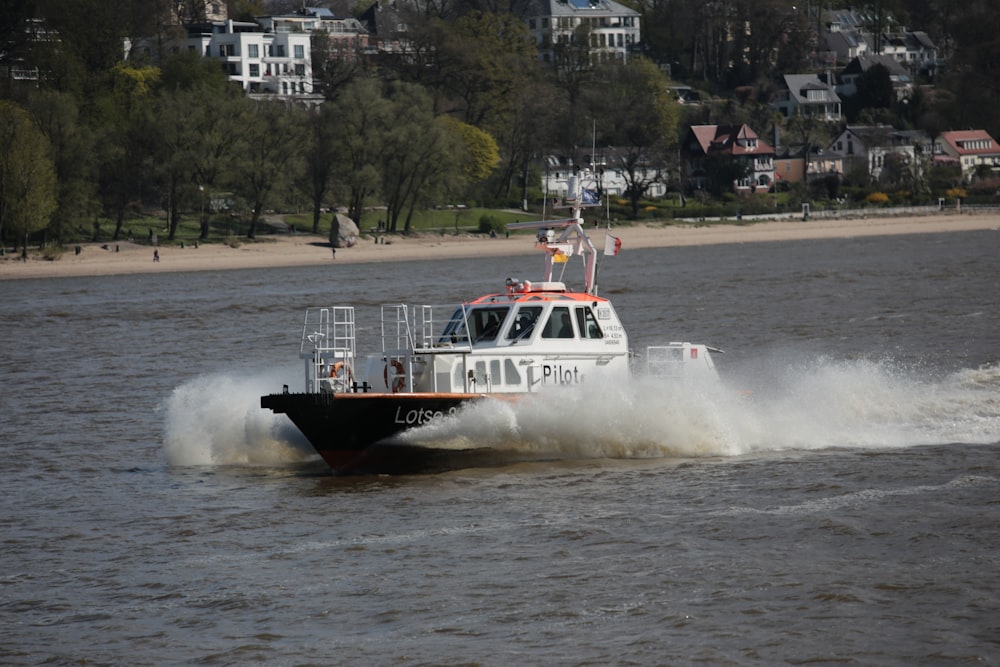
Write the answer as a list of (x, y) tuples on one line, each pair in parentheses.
[(587, 323), (486, 323), (560, 324), (524, 322)]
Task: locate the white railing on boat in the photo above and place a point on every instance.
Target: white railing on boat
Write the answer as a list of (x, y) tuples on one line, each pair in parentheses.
[(328, 348)]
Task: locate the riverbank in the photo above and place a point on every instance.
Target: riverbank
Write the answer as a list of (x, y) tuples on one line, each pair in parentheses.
[(304, 250)]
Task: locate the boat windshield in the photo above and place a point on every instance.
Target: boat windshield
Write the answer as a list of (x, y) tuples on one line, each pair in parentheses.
[(484, 323)]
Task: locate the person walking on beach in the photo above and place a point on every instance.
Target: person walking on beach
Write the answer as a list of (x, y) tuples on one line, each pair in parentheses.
[(156, 255)]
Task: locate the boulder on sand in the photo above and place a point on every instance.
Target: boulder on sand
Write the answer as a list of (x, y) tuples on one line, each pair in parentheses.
[(344, 232)]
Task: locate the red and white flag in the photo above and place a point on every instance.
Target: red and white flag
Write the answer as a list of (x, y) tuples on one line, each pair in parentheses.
[(612, 245)]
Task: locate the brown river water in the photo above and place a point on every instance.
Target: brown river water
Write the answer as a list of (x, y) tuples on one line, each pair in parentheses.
[(834, 500)]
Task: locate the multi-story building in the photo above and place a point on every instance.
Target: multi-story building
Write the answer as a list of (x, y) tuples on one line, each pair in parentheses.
[(348, 37), (872, 147), (736, 143), (273, 55), (274, 63), (808, 95), (975, 150), (612, 28), (902, 82)]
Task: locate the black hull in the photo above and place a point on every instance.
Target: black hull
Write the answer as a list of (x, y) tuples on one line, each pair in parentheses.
[(359, 433)]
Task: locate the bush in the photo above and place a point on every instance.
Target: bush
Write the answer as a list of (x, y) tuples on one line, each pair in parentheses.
[(489, 224), (877, 199)]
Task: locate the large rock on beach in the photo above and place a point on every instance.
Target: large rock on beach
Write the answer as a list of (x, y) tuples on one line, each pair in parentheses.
[(344, 232)]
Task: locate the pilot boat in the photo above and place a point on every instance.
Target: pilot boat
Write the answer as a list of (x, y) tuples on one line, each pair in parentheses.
[(359, 411)]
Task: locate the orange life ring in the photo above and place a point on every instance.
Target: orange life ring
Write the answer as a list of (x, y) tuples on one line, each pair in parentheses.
[(399, 376), (338, 372)]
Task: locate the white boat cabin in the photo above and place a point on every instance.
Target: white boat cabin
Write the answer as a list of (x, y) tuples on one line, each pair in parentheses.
[(531, 337)]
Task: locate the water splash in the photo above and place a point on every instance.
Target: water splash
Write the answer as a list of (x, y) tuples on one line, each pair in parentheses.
[(823, 403), (217, 420), (854, 404)]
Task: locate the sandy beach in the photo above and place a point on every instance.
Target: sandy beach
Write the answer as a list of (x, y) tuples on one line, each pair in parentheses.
[(304, 250)]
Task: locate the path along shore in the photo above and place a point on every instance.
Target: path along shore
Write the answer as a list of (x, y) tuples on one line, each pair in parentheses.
[(112, 258)]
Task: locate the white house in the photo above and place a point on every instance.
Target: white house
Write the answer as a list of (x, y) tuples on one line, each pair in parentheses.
[(613, 27), (599, 174), (807, 95), (871, 147)]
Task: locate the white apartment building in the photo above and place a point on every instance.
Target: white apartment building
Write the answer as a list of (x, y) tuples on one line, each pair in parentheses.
[(275, 63), (613, 27)]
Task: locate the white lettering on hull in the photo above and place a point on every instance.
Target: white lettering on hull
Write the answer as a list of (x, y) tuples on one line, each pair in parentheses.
[(421, 416)]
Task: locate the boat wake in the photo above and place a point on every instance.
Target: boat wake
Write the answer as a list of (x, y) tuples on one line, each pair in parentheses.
[(216, 419), (853, 404)]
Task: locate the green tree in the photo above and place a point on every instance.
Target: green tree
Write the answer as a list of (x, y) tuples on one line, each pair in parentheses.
[(73, 151), (472, 65), (120, 140), (772, 31), (320, 154), (425, 157), (266, 153), (722, 172), (810, 132), (536, 122), (27, 175), (973, 74), (480, 147), (90, 31), (213, 118), (634, 112), (364, 117), (171, 140), (573, 73)]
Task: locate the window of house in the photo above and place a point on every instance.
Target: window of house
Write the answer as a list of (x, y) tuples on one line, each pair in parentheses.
[(252, 51), (279, 50), (300, 51), (254, 69), (300, 69)]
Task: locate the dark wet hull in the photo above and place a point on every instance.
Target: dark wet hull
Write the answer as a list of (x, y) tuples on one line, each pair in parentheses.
[(360, 433)]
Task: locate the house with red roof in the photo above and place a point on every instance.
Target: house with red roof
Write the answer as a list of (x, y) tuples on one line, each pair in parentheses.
[(710, 152), (974, 150)]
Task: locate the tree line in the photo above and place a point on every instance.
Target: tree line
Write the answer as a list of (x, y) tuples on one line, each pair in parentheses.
[(463, 116)]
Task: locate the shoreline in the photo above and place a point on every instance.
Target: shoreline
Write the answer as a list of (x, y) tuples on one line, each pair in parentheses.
[(126, 257)]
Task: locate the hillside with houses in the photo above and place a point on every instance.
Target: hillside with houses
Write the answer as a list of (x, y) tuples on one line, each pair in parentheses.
[(224, 111)]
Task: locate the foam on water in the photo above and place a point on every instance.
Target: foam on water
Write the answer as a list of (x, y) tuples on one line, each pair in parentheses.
[(216, 419), (858, 404)]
